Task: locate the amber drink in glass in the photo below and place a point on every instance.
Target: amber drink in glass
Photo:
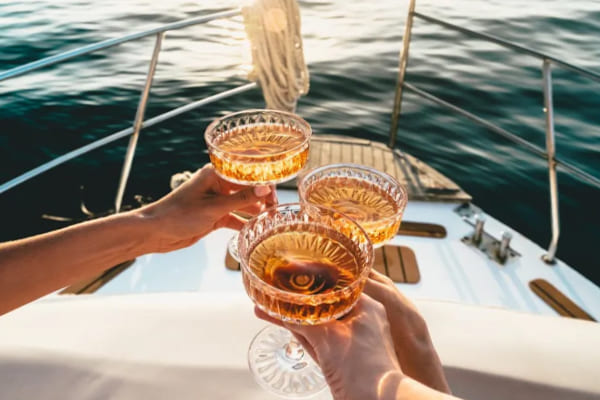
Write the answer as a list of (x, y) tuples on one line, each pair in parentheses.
[(372, 198), (302, 264), (257, 147)]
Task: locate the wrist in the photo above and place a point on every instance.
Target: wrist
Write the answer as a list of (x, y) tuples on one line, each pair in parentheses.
[(372, 385), (387, 389), (146, 224)]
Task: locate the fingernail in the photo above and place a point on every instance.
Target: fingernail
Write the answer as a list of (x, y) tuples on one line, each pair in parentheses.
[(262, 191)]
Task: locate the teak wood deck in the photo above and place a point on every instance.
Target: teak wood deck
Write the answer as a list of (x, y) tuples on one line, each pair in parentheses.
[(423, 182)]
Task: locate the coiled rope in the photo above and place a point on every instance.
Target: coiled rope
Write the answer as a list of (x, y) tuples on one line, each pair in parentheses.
[(273, 28)]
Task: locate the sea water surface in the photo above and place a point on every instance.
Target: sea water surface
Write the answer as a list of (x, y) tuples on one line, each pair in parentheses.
[(352, 50)]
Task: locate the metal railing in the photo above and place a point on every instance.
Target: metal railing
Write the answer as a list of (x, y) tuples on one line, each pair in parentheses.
[(549, 153), (139, 122)]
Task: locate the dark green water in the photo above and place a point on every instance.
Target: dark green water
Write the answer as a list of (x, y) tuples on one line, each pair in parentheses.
[(352, 50)]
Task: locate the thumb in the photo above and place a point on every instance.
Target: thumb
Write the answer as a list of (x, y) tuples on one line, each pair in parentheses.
[(242, 198)]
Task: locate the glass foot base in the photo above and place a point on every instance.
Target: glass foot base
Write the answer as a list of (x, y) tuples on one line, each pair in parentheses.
[(281, 366)]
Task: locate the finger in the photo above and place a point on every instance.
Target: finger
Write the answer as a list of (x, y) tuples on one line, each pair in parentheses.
[(207, 180), (241, 199), (365, 302), (303, 341), (252, 210), (272, 199), (266, 317), (378, 276), (375, 290), (310, 333), (232, 222), (221, 186), (203, 179), (307, 346), (388, 295)]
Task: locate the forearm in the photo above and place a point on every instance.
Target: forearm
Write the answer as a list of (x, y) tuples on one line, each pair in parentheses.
[(36, 266), (401, 387), (423, 364), (409, 389)]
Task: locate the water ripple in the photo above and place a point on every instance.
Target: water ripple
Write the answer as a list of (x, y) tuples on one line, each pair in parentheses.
[(352, 49)]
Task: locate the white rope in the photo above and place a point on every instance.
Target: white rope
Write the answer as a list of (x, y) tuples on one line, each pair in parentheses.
[(273, 28)]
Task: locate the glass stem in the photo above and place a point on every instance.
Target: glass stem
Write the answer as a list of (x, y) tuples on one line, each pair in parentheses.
[(243, 215), (294, 350)]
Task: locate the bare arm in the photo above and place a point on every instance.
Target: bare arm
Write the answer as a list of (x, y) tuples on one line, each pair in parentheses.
[(36, 266), (402, 387)]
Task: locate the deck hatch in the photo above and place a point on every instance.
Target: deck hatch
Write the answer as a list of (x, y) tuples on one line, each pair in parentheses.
[(397, 262), (557, 300)]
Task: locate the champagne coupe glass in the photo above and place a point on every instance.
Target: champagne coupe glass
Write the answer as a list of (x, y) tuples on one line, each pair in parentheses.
[(257, 147), (372, 198), (301, 264)]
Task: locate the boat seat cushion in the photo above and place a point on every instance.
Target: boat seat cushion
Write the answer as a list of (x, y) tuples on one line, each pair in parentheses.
[(493, 353), (190, 346)]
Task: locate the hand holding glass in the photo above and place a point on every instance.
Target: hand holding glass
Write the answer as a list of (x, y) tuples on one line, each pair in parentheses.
[(257, 147), (302, 264)]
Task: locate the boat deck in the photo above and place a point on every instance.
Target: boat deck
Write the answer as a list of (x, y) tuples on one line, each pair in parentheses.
[(430, 258), (449, 269), (423, 182)]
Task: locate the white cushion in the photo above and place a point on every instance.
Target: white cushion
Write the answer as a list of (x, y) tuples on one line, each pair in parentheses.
[(190, 346)]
